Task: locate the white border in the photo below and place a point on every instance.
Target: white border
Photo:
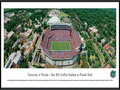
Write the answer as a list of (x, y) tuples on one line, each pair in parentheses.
[(59, 4), (97, 73)]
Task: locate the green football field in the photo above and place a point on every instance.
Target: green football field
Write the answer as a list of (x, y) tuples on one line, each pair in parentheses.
[(60, 46)]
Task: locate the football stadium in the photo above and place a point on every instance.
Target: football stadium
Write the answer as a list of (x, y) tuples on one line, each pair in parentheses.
[(60, 44)]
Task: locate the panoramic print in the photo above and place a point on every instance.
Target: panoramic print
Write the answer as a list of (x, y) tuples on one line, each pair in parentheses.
[(59, 38)]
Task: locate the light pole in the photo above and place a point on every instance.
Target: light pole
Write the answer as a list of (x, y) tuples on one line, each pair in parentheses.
[(85, 25)]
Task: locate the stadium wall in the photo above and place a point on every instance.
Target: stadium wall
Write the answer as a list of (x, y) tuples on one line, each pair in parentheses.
[(62, 62)]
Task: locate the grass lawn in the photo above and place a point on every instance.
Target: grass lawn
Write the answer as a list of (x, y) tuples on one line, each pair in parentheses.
[(60, 46), (114, 61), (92, 57), (62, 14)]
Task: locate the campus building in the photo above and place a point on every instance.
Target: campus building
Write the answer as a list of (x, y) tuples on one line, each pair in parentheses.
[(15, 60), (53, 20), (26, 34), (28, 46), (8, 36), (93, 30), (54, 13), (18, 29)]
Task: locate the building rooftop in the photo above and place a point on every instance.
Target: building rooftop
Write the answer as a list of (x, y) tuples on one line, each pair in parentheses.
[(54, 13), (37, 26), (8, 14), (93, 28), (66, 20), (54, 20), (29, 13), (107, 66), (14, 57), (26, 34), (10, 34), (18, 58), (108, 46), (103, 41), (18, 26), (5, 32), (6, 19), (16, 43)]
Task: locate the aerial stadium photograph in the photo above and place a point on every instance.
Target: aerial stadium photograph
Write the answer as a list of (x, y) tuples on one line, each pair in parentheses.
[(59, 38)]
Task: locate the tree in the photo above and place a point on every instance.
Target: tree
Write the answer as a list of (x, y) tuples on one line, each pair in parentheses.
[(85, 62), (16, 48), (89, 60), (30, 56), (25, 63), (97, 65), (22, 43), (94, 34), (111, 64), (34, 47), (14, 38), (38, 30), (88, 53), (103, 44), (106, 58), (99, 40), (94, 40), (78, 58), (96, 54), (22, 52)]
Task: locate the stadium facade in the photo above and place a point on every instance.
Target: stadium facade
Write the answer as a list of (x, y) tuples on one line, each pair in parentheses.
[(60, 45)]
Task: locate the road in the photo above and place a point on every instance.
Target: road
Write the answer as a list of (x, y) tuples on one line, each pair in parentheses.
[(45, 17), (36, 49), (84, 52), (38, 42), (99, 55), (103, 49), (107, 54), (30, 65)]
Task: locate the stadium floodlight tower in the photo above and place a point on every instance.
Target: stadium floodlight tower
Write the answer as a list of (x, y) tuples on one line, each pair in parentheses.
[(60, 44)]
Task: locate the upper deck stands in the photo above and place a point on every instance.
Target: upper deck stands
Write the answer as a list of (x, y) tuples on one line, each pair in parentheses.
[(60, 35)]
